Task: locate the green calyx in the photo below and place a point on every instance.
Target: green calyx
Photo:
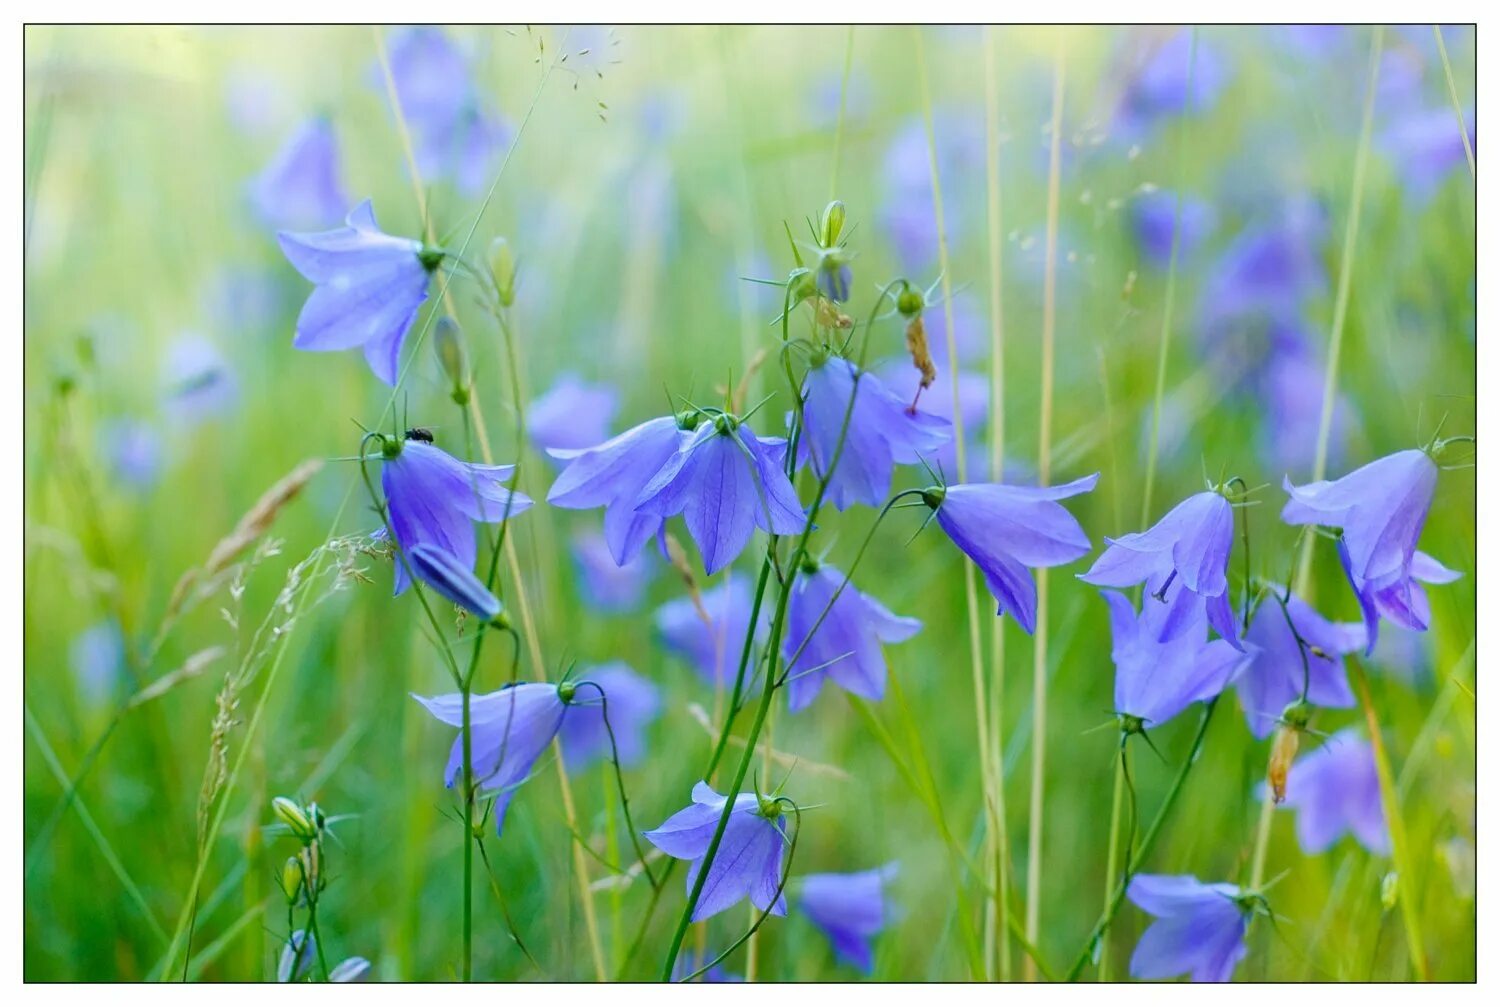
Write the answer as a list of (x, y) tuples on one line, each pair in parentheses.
[(1297, 714), (390, 447), (1131, 724), (769, 807), (910, 302), (566, 691), (726, 424), (933, 496), (431, 257), (688, 419)]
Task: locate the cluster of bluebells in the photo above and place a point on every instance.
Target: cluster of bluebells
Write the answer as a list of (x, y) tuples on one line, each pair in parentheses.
[(728, 473)]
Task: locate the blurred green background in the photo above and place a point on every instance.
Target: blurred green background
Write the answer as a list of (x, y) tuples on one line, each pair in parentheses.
[(652, 168)]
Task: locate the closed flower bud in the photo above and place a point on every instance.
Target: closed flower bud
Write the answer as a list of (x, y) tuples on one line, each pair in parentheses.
[(910, 303), (448, 345), (503, 268), (832, 223), (294, 817), (350, 970), (1390, 890), (291, 879)]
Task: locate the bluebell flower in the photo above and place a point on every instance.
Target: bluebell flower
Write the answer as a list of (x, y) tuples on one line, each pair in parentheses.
[(1273, 677), (1191, 543), (97, 657), (466, 150), (1269, 271), (631, 703), (712, 647), (611, 475), (1335, 790), (748, 861), (850, 909), (1159, 674), (606, 586), (1199, 928), (1291, 390), (573, 414), (300, 187), (134, 450), (881, 432), (846, 644), (1153, 218), (370, 286), (435, 498), (350, 970), (510, 729), (197, 380), (725, 482), (835, 278), (448, 576), (297, 957), (1006, 530), (1380, 509)]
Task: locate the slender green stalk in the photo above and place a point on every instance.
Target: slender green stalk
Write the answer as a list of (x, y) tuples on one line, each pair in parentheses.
[(1458, 109), (1117, 804), (1044, 473), (971, 593)]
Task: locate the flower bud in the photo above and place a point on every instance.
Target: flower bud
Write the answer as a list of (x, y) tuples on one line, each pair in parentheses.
[(834, 275), (296, 957), (448, 345), (1390, 890), (910, 302), (311, 861), (294, 817), (291, 879), (350, 970), (503, 269), (832, 223), (440, 570)]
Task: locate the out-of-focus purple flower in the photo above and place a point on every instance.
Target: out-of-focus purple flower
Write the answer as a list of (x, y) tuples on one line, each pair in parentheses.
[(97, 656), (726, 482), (445, 573), (1160, 672), (1402, 654), (1006, 530), (254, 100), (370, 286), (1292, 392), (631, 703), (712, 647), (1273, 678), (509, 730), (1158, 86), (881, 432), (611, 475), (300, 188), (607, 586), (243, 299), (573, 414), (134, 450), (1270, 270), (748, 861), (908, 214), (835, 279), (850, 909), (1199, 928), (350, 970), (1153, 217), (297, 957), (1335, 789), (1425, 145), (1191, 543), (1380, 508), (197, 381), (435, 498), (846, 644)]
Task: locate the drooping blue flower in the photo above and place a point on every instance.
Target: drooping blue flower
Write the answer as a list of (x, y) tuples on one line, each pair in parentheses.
[(611, 475), (631, 703), (1199, 928), (1153, 218), (845, 646), (1007, 530), (97, 657), (197, 381), (1380, 509), (711, 646), (1273, 677), (1156, 89), (297, 957), (440, 570), (300, 188), (434, 498), (351, 970), (606, 586), (850, 909), (573, 414), (1160, 674), (748, 861), (1335, 789), (370, 286), (1190, 544), (725, 482), (510, 729), (881, 432)]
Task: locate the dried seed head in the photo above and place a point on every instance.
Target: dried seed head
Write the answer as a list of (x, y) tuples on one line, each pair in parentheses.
[(1283, 751), (921, 354), (830, 317)]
